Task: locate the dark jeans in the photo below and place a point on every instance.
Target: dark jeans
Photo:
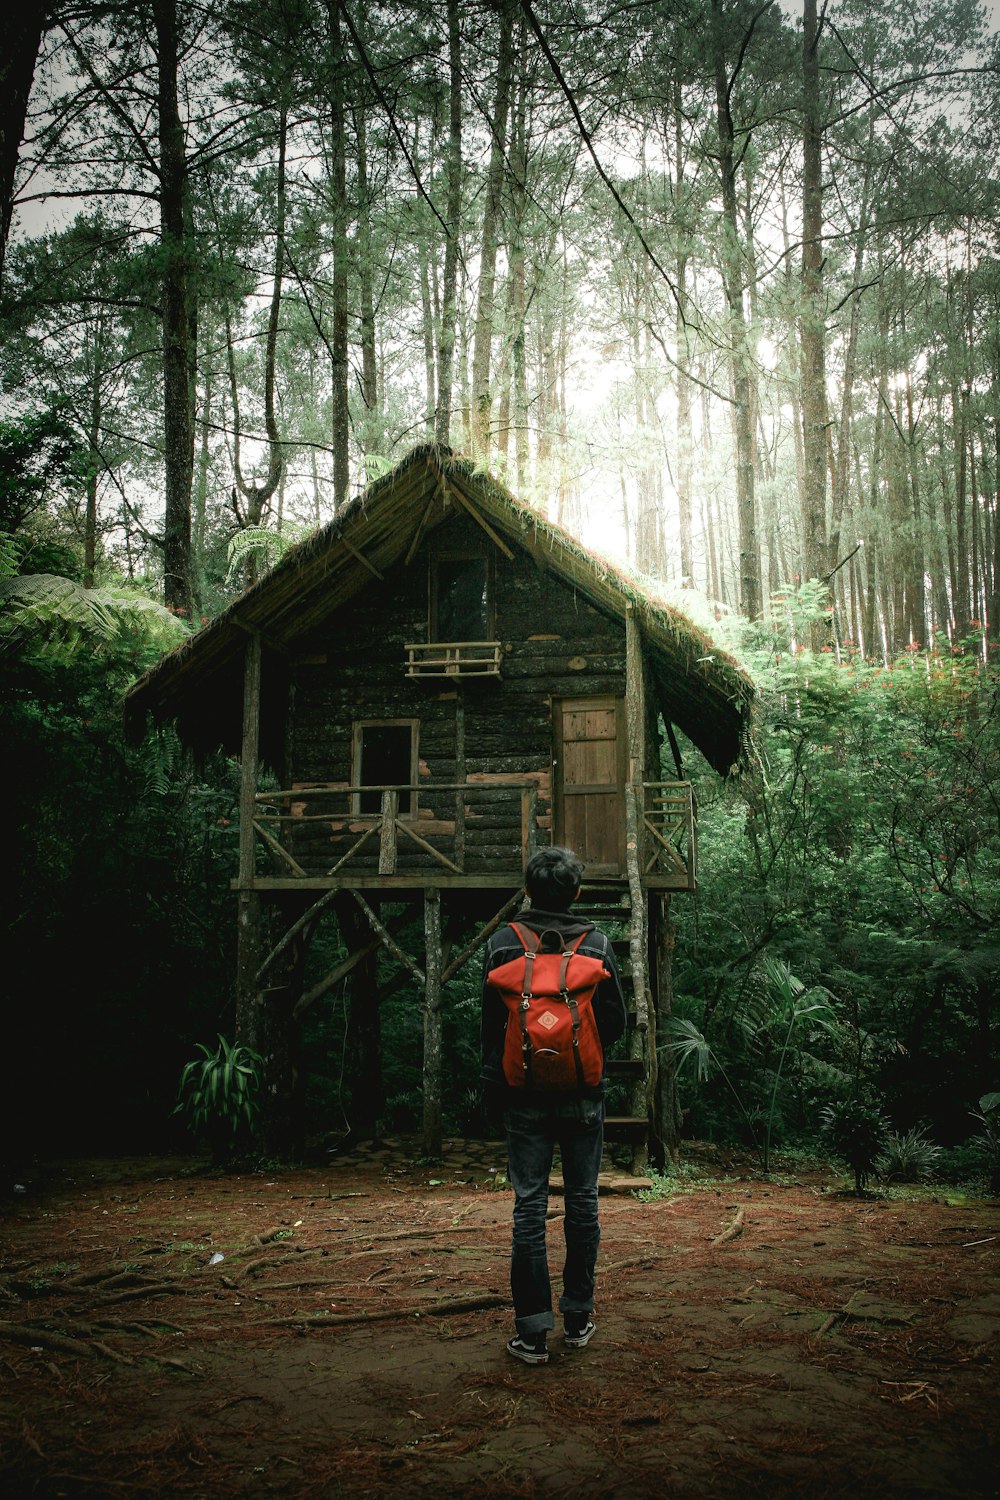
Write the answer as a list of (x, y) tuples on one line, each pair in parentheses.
[(533, 1130)]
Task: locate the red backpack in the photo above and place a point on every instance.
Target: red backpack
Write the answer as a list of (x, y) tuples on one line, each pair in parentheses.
[(552, 1043)]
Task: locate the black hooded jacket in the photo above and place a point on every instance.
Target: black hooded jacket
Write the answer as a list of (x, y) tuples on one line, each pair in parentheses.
[(503, 945)]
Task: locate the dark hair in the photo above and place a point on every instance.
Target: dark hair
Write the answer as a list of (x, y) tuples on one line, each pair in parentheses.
[(552, 878)]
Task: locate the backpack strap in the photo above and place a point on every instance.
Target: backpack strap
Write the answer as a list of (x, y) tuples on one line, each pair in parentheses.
[(574, 1010), (530, 946)]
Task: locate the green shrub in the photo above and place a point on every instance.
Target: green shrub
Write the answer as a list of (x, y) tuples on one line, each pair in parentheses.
[(856, 1130), (910, 1157), (217, 1096)]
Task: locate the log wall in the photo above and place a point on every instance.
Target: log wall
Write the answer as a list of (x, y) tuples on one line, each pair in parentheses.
[(353, 668)]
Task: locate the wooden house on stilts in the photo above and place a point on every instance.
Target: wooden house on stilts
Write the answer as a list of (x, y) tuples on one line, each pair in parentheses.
[(438, 682)]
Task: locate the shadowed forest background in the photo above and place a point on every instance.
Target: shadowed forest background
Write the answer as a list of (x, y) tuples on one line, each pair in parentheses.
[(716, 286)]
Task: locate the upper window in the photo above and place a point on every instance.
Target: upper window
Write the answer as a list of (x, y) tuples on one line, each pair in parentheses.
[(461, 599), (385, 755)]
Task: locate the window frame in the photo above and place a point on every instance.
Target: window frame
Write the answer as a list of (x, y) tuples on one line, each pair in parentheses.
[(407, 805), (453, 555)]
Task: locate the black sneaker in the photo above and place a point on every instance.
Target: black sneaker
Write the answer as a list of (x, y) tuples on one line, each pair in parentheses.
[(531, 1351), (579, 1331)]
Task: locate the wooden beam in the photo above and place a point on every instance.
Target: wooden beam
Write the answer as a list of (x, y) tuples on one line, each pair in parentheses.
[(387, 833), (635, 721), (250, 754), (418, 535), (422, 843), (272, 843), (309, 997), (347, 966), (388, 939), (485, 932), (361, 558), (268, 640), (460, 773), (248, 902), (498, 541)]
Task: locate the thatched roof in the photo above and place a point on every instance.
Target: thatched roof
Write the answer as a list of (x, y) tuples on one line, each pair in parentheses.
[(701, 689)]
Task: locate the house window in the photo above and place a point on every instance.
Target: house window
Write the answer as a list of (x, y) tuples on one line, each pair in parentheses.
[(461, 599), (385, 755)]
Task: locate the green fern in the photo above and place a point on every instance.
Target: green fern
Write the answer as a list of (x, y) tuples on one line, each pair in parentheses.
[(269, 547), (53, 615)]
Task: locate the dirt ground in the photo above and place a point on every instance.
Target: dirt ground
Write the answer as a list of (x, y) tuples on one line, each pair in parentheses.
[(339, 1332)]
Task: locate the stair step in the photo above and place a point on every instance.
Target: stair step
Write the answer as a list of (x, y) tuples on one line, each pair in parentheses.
[(625, 1067), (626, 1124)]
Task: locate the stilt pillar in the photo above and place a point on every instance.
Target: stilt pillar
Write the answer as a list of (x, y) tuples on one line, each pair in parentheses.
[(432, 1023)]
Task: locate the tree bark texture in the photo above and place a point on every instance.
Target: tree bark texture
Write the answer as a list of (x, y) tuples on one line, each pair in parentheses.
[(453, 225), (482, 348), (812, 322), (339, 373), (739, 350), (21, 31), (177, 315)]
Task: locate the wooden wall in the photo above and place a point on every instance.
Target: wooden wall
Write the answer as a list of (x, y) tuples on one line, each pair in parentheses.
[(353, 667)]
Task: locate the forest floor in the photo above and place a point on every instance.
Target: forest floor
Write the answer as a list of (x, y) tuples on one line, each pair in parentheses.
[(339, 1331)]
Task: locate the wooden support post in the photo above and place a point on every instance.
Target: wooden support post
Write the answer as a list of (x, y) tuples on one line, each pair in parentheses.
[(460, 779), (248, 933), (635, 726), (667, 1131), (479, 940), (529, 822), (387, 938), (387, 835), (432, 1023)]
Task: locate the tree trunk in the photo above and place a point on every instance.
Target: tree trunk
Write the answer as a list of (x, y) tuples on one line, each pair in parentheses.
[(812, 326), (178, 360), (453, 215), (93, 458), (371, 424), (482, 396), (739, 353), (340, 436), (257, 496), (21, 32)]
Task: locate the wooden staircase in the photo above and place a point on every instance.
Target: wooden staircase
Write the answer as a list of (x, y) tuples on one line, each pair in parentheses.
[(608, 907)]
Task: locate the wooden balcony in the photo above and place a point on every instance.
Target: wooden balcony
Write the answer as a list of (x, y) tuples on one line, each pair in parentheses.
[(453, 659), (466, 834)]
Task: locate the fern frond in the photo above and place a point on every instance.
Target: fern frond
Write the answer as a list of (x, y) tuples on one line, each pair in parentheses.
[(270, 546)]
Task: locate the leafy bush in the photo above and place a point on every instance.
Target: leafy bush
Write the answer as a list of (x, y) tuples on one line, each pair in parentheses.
[(910, 1157), (217, 1095), (988, 1135), (856, 1130)]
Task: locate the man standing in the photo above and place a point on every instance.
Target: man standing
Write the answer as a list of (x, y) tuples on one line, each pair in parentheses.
[(537, 1119)]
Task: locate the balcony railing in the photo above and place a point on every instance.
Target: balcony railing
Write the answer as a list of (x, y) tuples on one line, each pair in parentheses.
[(457, 830), (669, 842), (453, 659)]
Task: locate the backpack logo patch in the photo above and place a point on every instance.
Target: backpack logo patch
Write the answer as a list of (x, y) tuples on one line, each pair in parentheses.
[(548, 1020)]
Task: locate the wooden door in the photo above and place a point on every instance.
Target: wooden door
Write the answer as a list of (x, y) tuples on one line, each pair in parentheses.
[(589, 781)]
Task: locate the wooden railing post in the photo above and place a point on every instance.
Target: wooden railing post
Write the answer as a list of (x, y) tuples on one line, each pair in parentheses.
[(432, 1023), (460, 773), (529, 822), (387, 833), (248, 935)]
